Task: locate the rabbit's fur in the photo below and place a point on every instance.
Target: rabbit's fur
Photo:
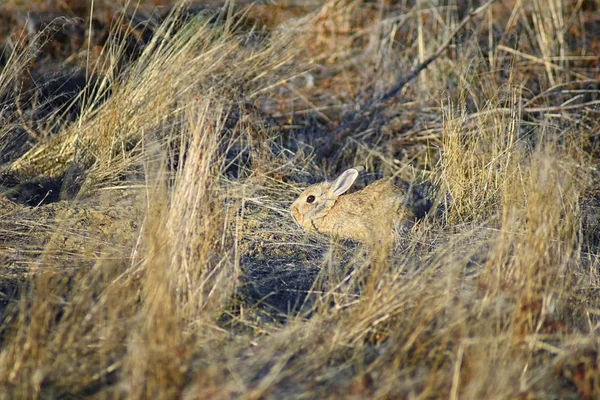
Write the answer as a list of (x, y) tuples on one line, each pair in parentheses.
[(366, 215)]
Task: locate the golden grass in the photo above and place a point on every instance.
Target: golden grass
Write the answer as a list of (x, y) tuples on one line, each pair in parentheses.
[(173, 270)]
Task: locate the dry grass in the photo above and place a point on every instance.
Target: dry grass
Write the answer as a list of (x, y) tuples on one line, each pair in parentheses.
[(168, 266)]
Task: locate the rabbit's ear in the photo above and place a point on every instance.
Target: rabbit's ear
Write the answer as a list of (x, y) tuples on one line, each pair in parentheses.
[(344, 181)]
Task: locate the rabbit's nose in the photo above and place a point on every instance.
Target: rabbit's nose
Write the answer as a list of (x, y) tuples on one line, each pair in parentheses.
[(296, 214)]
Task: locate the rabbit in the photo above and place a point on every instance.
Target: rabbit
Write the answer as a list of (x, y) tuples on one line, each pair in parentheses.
[(364, 216)]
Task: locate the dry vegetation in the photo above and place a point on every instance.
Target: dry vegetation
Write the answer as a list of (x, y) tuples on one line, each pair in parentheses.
[(149, 156)]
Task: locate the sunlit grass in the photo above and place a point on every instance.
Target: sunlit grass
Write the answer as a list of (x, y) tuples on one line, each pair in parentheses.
[(170, 268)]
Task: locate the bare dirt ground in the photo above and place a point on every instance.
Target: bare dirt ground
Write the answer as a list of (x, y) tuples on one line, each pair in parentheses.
[(149, 154)]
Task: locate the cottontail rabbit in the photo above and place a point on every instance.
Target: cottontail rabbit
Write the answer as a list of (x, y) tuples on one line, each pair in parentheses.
[(365, 215)]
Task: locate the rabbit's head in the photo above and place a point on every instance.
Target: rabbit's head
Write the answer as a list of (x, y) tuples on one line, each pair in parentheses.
[(317, 200)]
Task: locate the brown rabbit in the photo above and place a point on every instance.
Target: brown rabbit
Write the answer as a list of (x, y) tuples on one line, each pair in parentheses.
[(365, 215)]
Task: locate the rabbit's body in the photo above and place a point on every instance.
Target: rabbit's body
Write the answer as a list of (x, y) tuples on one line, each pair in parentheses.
[(366, 215)]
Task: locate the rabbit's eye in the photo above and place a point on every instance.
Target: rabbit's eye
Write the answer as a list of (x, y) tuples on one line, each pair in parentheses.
[(310, 199)]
